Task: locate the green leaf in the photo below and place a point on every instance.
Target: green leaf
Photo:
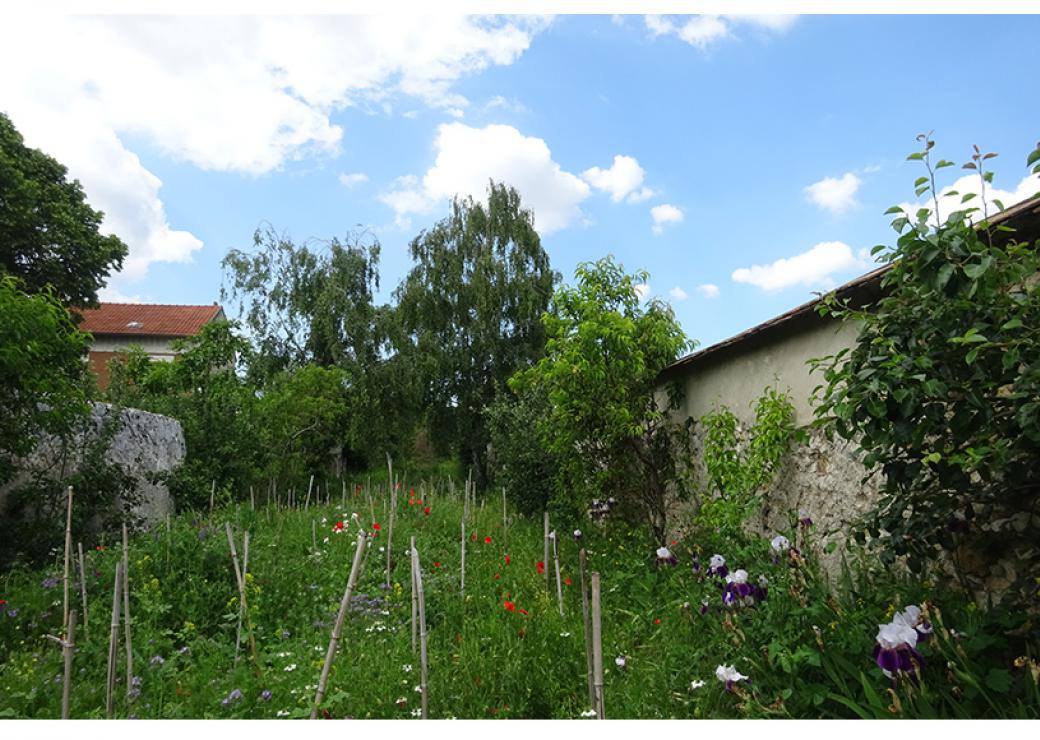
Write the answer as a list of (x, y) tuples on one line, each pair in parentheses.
[(967, 197), (915, 156), (971, 356), (1012, 324), (893, 209), (920, 181), (977, 270), (1034, 156), (944, 163), (999, 680)]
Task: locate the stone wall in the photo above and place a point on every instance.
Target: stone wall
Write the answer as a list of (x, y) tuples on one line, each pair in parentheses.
[(143, 443)]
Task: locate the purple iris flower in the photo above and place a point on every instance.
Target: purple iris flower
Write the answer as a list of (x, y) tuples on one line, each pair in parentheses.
[(696, 565), (729, 675), (761, 591), (738, 590), (704, 607), (12, 613), (804, 519), (577, 535), (896, 649), (911, 617), (665, 557), (717, 566), (234, 696), (157, 660), (266, 695)]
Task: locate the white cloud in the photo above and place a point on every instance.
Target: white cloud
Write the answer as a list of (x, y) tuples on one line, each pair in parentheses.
[(1026, 188), (813, 268), (242, 94), (467, 158), (665, 214), (704, 30), (643, 291), (708, 290), (836, 194), (110, 294), (623, 179), (498, 101), (350, 179), (678, 294)]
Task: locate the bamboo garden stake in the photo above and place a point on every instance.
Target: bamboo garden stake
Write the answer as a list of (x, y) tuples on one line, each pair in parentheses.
[(212, 492), (462, 568), (307, 501), (556, 559), (337, 630), (68, 554), (423, 655), (583, 569), (68, 649), (545, 555), (113, 642), (393, 509), (126, 609), (415, 600), (83, 588), (597, 648), (505, 522)]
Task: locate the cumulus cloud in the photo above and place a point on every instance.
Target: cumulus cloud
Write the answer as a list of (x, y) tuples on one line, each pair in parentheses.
[(241, 94), (467, 158), (708, 290), (815, 267), (678, 294), (835, 194), (950, 198), (665, 214), (643, 291), (350, 179), (704, 30), (623, 180)]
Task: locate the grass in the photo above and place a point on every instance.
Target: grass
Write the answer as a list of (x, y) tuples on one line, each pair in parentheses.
[(807, 650)]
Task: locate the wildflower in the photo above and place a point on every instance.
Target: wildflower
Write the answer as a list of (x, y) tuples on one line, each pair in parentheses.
[(417, 712), (896, 648), (325, 541), (552, 535), (12, 613), (285, 634), (911, 617), (567, 582), (696, 565), (234, 696), (657, 621), (694, 685), (100, 548), (717, 566), (565, 634), (665, 557), (524, 612), (589, 714), (338, 528), (136, 682), (780, 543), (375, 526), (290, 668), (738, 590), (762, 590), (282, 713), (157, 660), (407, 668), (266, 695), (510, 606), (49, 582), (577, 535), (401, 702), (417, 689), (508, 561), (426, 510), (487, 540), (473, 537), (729, 675), (3, 602), (437, 564), (540, 567), (804, 519), (620, 661)]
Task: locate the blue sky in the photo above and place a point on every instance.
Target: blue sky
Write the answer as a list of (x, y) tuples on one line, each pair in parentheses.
[(768, 148)]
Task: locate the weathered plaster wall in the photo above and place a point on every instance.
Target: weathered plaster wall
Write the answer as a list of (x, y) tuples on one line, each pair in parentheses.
[(144, 443)]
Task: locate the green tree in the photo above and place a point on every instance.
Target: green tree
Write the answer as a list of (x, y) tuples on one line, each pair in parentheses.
[(942, 389), (472, 304), (48, 233), (41, 371), (608, 429)]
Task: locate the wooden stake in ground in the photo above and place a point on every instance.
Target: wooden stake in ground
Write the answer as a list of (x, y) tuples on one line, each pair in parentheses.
[(415, 600), (423, 655), (83, 588), (252, 499), (583, 568), (126, 609), (212, 493), (556, 558), (393, 510), (314, 536), (68, 555), (68, 649), (597, 649), (240, 581), (545, 551), (113, 642), (462, 559), (337, 630), (310, 485)]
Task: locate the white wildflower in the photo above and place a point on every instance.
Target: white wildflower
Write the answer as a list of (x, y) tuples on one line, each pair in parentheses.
[(694, 685), (290, 668)]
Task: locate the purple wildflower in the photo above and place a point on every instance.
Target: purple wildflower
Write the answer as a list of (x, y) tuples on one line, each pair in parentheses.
[(577, 535), (911, 617), (804, 519), (738, 590), (696, 565), (729, 675), (234, 696), (665, 557), (183, 650), (12, 613), (49, 582), (717, 566), (704, 607), (157, 660), (266, 695), (896, 649)]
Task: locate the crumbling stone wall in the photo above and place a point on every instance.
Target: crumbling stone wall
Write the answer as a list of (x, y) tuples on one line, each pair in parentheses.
[(143, 444)]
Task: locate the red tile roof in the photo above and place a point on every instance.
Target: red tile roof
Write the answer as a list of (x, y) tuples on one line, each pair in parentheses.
[(142, 319)]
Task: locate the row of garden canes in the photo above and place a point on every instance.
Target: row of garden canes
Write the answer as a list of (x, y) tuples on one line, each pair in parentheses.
[(591, 612)]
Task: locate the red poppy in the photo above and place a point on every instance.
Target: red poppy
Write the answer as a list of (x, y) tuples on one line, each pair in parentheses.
[(509, 606), (100, 548), (567, 582), (411, 492), (540, 567), (426, 511), (523, 611), (437, 564), (487, 540), (657, 621), (497, 576), (507, 559), (338, 527), (3, 602), (675, 542), (375, 526), (473, 537)]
